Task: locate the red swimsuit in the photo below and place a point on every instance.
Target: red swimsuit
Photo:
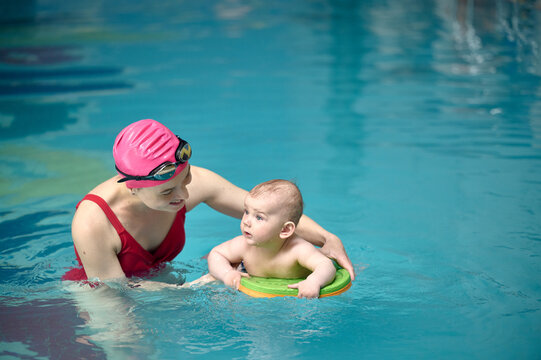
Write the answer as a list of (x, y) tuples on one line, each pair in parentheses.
[(134, 260)]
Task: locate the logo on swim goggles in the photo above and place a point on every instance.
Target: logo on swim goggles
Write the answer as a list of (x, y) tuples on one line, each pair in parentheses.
[(167, 169)]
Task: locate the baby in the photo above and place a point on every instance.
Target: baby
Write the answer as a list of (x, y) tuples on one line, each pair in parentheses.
[(268, 246)]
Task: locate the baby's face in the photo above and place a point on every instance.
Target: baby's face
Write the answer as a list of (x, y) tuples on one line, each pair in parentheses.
[(263, 219)]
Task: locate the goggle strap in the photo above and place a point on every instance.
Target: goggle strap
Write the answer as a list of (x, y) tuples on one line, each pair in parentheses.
[(129, 177)]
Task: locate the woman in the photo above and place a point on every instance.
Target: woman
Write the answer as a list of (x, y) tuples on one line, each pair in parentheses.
[(134, 222)]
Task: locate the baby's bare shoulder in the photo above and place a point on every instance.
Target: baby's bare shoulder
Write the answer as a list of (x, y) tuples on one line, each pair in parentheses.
[(297, 244)]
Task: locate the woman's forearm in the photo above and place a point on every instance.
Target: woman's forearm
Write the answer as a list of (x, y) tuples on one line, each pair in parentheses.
[(311, 231)]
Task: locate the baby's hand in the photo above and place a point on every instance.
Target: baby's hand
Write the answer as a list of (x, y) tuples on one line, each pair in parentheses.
[(232, 278), (307, 289)]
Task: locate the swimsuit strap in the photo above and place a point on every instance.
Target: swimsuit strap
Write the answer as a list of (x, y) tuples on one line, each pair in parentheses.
[(107, 210)]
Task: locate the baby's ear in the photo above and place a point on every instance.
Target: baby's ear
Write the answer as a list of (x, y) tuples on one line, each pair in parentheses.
[(287, 230)]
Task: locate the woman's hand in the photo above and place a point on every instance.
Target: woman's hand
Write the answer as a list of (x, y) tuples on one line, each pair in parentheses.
[(334, 249)]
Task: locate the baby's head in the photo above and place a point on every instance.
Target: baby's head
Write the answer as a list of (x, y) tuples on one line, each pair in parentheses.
[(283, 192)]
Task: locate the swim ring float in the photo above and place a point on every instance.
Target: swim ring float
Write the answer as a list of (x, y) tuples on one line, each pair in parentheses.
[(261, 287)]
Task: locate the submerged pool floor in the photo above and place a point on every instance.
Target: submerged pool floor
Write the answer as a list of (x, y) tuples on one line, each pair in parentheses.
[(412, 128)]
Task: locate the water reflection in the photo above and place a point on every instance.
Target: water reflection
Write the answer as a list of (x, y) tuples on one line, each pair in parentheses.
[(21, 118), (346, 51), (498, 84), (36, 172), (110, 321), (489, 34), (44, 329)]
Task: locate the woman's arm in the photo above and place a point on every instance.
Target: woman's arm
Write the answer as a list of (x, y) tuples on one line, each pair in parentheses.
[(215, 191), (94, 239)]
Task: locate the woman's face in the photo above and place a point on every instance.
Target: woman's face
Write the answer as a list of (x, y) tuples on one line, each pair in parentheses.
[(170, 196)]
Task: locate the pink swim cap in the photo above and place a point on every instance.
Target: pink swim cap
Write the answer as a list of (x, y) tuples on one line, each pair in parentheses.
[(141, 147)]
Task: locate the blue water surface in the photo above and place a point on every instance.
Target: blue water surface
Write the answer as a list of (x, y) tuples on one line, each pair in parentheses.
[(413, 129)]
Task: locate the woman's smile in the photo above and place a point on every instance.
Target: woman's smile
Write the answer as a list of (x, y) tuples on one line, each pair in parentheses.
[(177, 203)]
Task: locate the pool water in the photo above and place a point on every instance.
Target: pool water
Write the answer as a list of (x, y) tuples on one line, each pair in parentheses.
[(413, 129)]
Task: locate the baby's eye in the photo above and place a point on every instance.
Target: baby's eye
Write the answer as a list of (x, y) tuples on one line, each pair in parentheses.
[(259, 217), (168, 192)]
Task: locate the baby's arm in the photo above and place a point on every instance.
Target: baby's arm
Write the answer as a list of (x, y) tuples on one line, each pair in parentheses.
[(222, 256), (323, 271)]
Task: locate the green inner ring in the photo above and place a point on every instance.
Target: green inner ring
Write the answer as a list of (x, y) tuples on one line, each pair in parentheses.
[(276, 286)]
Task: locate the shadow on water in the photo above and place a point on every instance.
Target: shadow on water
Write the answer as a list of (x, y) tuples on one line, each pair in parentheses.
[(20, 229)]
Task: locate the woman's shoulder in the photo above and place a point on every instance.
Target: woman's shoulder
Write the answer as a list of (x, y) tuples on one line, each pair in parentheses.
[(90, 215), (92, 224), (107, 190)]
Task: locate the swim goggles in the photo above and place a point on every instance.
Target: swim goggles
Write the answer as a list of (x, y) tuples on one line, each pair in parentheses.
[(166, 170)]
